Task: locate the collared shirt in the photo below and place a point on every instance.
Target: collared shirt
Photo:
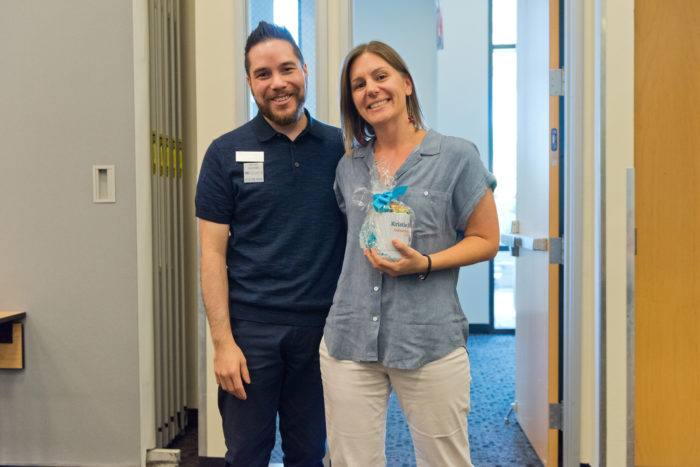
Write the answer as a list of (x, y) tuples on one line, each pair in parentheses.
[(287, 235), (403, 322)]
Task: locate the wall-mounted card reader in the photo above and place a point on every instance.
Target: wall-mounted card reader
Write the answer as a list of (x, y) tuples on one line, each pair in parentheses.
[(103, 184)]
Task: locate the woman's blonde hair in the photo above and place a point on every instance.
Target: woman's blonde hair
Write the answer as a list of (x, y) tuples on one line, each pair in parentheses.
[(356, 131)]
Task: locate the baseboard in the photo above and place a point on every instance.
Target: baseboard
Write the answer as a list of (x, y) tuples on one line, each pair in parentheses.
[(486, 329), (479, 329)]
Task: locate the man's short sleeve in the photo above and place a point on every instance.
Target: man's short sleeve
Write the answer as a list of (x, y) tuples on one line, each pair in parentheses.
[(337, 187), (215, 190)]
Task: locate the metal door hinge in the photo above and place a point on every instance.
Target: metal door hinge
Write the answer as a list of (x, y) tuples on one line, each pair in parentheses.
[(556, 82), (555, 416), (556, 251)]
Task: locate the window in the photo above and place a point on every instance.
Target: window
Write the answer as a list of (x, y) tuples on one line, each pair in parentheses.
[(299, 17), (503, 58)]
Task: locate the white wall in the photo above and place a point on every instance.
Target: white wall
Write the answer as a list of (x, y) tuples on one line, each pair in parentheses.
[(462, 101), (409, 27), (68, 88), (462, 72)]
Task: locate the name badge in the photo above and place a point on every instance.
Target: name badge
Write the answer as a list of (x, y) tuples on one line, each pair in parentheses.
[(250, 156), (253, 172)]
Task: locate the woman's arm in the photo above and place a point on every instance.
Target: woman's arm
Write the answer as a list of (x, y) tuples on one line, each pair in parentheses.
[(480, 243)]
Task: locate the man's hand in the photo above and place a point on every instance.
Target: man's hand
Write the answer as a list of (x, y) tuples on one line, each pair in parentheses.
[(231, 370)]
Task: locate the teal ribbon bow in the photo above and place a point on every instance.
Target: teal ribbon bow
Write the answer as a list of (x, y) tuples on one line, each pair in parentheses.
[(382, 201)]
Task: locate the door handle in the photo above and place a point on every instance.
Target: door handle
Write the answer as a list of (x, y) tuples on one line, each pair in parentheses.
[(517, 241)]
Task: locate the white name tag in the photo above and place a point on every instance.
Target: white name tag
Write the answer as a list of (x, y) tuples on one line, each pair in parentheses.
[(253, 172), (250, 156)]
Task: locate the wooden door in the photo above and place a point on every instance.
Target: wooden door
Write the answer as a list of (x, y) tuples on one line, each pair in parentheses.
[(537, 208), (667, 205)]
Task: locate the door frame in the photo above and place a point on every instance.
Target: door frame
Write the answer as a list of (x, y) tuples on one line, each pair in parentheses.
[(573, 174)]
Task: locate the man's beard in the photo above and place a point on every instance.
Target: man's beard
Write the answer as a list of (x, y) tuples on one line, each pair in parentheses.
[(287, 118)]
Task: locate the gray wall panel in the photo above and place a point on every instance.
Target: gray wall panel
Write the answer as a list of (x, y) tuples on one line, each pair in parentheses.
[(67, 96)]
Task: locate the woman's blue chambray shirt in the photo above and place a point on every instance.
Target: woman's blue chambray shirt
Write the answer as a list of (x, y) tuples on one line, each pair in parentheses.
[(403, 322)]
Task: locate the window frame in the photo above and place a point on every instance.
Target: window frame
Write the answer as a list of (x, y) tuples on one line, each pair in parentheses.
[(492, 47)]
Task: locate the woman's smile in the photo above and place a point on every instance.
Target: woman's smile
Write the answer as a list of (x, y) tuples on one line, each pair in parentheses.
[(378, 104)]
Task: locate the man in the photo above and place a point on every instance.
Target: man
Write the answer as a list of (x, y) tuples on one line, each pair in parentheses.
[(272, 241)]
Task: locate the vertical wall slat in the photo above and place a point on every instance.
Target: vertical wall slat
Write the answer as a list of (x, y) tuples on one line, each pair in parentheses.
[(165, 292), (159, 244), (180, 224), (174, 402), (161, 230), (153, 48), (171, 221), (168, 219)]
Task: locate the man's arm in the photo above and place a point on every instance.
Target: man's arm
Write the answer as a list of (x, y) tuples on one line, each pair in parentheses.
[(230, 365)]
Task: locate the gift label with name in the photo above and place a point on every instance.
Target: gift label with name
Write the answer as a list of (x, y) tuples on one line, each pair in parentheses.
[(389, 226)]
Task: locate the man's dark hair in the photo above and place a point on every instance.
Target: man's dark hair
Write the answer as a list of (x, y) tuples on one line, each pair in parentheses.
[(265, 32)]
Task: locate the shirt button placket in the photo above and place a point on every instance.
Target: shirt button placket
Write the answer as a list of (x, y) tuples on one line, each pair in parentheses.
[(292, 153), (373, 317), (378, 299)]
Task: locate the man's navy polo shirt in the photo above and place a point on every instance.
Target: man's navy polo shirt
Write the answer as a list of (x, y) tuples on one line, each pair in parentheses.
[(287, 235)]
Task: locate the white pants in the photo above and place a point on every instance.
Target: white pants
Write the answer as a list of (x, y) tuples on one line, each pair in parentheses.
[(434, 398)]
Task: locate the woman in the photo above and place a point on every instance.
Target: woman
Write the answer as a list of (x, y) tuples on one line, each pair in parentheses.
[(398, 324)]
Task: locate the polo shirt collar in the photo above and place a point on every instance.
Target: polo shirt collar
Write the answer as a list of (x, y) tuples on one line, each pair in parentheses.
[(264, 132)]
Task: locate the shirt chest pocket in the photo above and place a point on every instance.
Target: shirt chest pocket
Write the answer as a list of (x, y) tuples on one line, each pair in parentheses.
[(429, 208)]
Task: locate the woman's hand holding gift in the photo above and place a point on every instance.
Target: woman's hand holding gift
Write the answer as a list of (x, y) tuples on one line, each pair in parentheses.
[(411, 261)]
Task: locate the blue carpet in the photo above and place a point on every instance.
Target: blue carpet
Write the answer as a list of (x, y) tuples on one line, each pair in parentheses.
[(493, 443)]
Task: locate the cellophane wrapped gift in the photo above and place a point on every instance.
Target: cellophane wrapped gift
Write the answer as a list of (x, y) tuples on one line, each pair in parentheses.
[(387, 217)]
